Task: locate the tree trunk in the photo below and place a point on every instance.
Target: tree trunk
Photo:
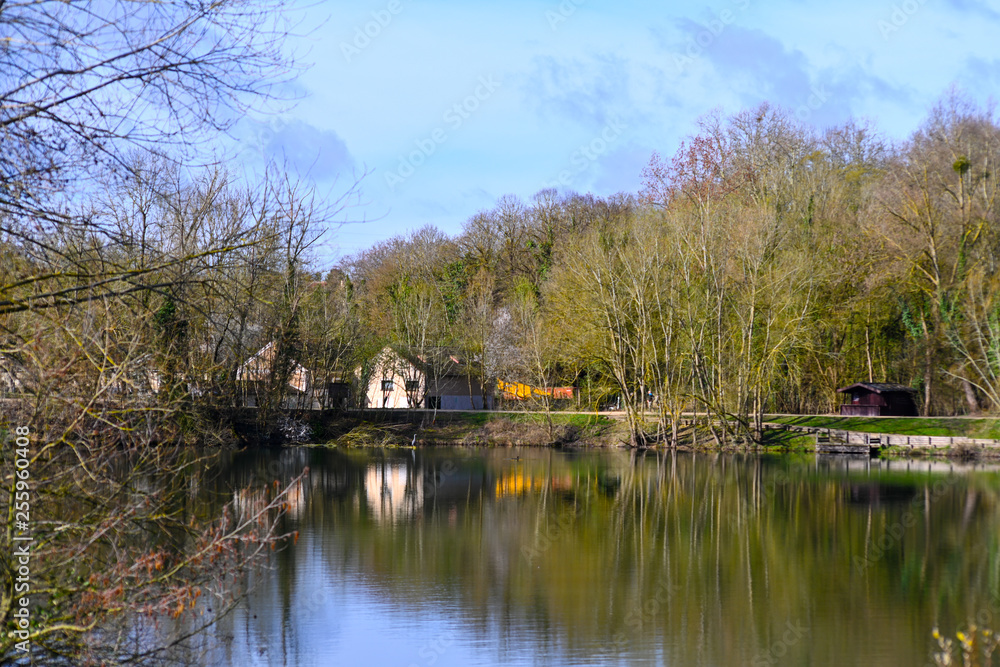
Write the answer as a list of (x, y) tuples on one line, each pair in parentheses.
[(971, 399), (928, 370)]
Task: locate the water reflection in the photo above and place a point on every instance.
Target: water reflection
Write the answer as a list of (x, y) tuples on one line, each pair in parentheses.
[(482, 557), (392, 492)]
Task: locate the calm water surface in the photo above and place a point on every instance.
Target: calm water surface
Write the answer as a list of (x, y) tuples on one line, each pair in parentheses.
[(476, 557)]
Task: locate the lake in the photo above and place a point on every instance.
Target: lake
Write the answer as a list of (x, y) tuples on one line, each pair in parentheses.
[(464, 556)]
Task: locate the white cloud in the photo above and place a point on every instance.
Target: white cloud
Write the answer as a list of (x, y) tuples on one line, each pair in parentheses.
[(562, 85)]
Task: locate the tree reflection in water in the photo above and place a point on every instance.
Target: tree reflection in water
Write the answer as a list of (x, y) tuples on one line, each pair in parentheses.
[(470, 556)]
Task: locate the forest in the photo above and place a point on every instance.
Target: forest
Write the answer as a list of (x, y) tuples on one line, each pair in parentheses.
[(762, 265)]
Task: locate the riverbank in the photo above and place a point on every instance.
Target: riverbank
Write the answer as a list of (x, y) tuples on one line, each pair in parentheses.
[(580, 430), (508, 429)]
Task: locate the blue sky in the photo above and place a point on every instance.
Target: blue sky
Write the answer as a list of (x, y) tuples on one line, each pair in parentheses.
[(450, 105)]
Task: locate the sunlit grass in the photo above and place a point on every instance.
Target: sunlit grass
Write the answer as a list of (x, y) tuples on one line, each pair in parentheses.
[(787, 440), (935, 426)]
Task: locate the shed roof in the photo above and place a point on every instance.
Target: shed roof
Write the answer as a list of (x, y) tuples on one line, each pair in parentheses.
[(880, 387)]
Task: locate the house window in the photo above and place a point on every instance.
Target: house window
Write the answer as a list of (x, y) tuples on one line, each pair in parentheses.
[(856, 397), (386, 385), (412, 386), (434, 403)]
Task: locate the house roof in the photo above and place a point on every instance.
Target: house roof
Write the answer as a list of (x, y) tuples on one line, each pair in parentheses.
[(880, 387), (439, 359), (258, 366)]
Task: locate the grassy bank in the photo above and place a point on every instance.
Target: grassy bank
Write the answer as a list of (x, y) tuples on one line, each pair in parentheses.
[(478, 428), (936, 426), (502, 429), (782, 440), (956, 453)]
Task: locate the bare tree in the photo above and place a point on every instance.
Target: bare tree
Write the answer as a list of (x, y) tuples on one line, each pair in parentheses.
[(116, 311), (940, 202), (82, 86)]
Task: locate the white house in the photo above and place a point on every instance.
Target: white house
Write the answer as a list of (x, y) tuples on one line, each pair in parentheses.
[(435, 379)]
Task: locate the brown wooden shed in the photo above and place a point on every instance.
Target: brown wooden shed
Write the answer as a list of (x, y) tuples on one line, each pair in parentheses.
[(879, 399)]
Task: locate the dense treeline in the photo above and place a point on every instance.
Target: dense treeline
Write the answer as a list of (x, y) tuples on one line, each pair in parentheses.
[(762, 266)]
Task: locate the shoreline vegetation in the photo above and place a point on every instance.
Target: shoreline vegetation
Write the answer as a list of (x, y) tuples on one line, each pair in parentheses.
[(761, 267), (579, 430)]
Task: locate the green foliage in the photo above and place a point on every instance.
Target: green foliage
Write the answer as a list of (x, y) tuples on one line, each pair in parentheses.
[(166, 315), (913, 328), (454, 283)]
